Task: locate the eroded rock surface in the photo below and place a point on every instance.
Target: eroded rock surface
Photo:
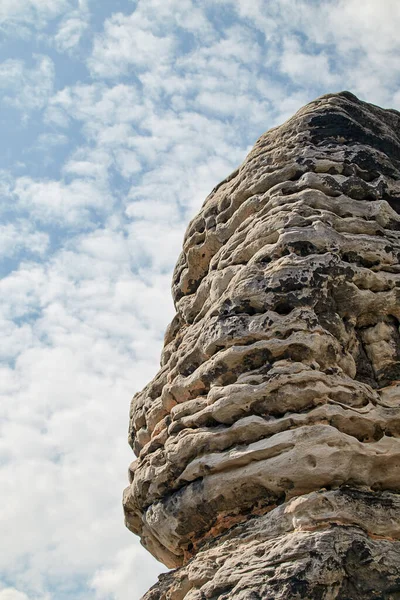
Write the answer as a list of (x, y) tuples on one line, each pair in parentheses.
[(279, 387), (297, 551)]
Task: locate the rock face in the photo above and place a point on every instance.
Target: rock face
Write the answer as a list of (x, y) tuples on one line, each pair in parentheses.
[(268, 443)]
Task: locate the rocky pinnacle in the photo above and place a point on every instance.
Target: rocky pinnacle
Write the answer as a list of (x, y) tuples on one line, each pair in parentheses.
[(268, 450)]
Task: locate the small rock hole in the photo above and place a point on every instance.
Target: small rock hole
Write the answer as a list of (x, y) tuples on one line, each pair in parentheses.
[(283, 308)]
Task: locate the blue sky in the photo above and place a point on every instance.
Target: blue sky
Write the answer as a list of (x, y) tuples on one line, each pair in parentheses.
[(117, 118)]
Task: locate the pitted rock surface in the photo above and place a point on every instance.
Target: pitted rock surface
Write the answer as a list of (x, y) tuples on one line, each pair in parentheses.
[(291, 554), (280, 374)]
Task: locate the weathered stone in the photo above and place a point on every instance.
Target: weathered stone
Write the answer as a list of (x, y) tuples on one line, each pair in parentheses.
[(322, 545), (268, 444)]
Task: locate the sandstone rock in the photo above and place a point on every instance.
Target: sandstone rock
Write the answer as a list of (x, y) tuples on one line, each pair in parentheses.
[(323, 545), (268, 443)]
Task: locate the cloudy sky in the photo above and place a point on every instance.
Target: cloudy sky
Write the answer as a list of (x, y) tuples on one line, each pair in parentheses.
[(117, 118)]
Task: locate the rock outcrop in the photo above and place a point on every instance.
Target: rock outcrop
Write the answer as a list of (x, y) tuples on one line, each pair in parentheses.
[(268, 443)]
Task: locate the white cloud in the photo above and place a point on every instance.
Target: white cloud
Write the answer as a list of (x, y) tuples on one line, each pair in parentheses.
[(89, 163), (64, 203), (121, 579), (97, 105), (23, 18), (6, 184), (26, 88), (148, 38), (342, 47), (128, 44), (14, 339), (306, 69), (70, 32), (12, 594), (127, 162), (95, 336), (50, 140), (21, 235), (171, 14), (17, 15)]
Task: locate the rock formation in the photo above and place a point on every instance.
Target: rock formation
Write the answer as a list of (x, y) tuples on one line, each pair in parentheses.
[(268, 443)]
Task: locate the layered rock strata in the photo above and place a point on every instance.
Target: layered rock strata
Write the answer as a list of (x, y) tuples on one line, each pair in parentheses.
[(268, 443)]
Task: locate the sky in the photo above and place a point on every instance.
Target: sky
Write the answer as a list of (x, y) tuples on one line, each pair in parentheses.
[(117, 118)]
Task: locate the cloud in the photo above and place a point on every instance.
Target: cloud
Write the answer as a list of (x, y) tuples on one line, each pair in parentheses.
[(89, 331), (12, 594), (24, 17), (70, 204), (97, 105), (330, 45), (21, 235), (147, 38), (70, 32), (306, 69), (19, 17), (121, 579), (128, 44), (51, 140), (26, 88), (6, 184)]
